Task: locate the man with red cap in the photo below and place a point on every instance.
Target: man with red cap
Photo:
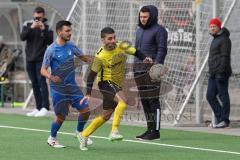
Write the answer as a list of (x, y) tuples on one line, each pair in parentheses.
[(219, 63)]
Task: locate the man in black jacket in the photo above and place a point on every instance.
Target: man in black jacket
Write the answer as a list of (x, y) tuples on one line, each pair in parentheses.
[(219, 63), (151, 40), (38, 36)]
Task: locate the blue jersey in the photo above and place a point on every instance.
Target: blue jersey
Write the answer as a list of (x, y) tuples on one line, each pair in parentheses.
[(60, 58)]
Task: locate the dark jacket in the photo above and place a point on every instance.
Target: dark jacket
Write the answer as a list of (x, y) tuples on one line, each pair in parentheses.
[(37, 41), (151, 40), (219, 60)]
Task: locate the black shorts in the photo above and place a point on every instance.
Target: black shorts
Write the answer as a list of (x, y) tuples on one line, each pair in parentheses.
[(108, 90)]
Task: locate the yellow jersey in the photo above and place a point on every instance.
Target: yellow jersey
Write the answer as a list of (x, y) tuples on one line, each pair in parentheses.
[(110, 65)]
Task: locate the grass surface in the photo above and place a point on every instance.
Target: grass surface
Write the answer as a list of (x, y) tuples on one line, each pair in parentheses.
[(22, 144)]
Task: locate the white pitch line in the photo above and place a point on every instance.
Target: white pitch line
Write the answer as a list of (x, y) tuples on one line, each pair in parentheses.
[(133, 141)]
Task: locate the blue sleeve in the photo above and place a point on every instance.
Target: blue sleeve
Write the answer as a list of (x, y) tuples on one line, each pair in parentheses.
[(47, 57), (161, 39), (77, 51)]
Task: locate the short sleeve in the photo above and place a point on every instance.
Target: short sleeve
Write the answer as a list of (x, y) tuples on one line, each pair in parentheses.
[(77, 51), (47, 57), (97, 65)]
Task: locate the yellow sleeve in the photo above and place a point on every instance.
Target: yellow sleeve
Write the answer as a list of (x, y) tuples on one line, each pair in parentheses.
[(96, 65), (127, 47)]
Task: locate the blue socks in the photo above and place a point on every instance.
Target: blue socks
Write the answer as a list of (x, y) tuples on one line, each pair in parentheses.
[(81, 124), (54, 128)]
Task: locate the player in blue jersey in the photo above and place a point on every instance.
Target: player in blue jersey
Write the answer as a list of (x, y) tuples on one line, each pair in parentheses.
[(65, 92)]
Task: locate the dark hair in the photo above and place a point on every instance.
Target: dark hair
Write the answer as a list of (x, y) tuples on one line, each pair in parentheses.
[(106, 30), (62, 23), (39, 10), (145, 9)]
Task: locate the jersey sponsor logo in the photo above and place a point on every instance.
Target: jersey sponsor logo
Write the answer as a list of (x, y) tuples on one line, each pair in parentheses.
[(69, 52)]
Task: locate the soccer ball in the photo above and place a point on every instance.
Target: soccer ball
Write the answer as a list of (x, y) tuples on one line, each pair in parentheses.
[(157, 72)]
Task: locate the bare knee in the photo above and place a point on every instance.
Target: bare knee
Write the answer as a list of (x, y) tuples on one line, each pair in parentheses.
[(85, 113), (122, 97), (107, 114), (60, 118), (125, 100)]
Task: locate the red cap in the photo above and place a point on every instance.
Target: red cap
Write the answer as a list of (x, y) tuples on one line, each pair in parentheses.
[(215, 21)]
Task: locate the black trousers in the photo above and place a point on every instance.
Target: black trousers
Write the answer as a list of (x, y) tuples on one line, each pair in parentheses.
[(149, 95), (218, 85), (39, 85)]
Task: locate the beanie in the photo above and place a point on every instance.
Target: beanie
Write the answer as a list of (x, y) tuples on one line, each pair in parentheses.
[(215, 21)]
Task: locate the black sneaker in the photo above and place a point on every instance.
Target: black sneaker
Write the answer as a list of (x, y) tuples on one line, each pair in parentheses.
[(153, 135), (142, 135)]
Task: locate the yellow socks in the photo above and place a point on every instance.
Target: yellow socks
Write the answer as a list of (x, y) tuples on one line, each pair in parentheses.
[(118, 113), (97, 122)]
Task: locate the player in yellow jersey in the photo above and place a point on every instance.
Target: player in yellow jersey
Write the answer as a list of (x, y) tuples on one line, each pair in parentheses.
[(109, 67)]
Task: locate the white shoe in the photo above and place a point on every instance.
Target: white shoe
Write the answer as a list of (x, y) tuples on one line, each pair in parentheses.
[(83, 142), (53, 142), (42, 112), (33, 113), (89, 141), (115, 136), (212, 125)]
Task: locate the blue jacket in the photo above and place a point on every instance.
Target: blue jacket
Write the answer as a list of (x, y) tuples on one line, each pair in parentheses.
[(151, 40)]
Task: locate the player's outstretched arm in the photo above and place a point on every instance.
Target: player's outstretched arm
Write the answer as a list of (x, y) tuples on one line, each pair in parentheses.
[(129, 49), (86, 59)]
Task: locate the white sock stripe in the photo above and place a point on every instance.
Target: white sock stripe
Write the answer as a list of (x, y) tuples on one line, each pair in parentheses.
[(158, 120)]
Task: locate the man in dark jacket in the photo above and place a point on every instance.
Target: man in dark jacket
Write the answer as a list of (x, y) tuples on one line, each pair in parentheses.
[(151, 40), (38, 36), (219, 63)]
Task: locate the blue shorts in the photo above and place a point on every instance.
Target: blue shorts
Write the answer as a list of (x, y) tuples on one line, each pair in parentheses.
[(62, 101)]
